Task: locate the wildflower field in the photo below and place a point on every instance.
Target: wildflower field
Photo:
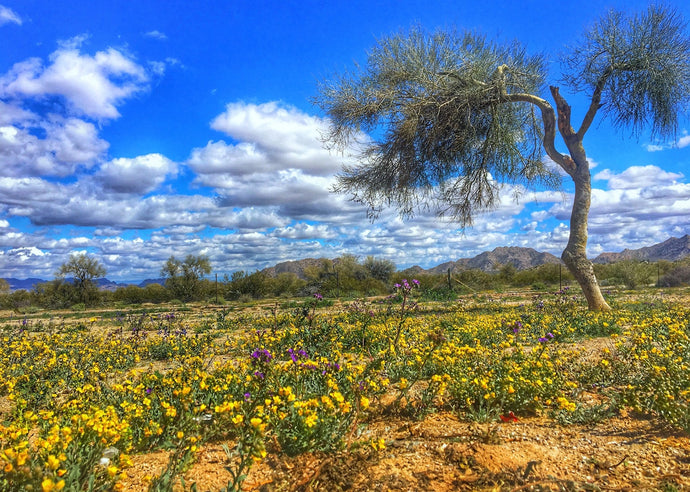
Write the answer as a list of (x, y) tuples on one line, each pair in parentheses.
[(528, 392)]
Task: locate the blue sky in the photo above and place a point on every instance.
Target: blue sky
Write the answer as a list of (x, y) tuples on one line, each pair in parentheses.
[(139, 130)]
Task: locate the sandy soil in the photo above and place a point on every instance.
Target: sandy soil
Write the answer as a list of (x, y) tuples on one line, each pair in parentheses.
[(442, 453)]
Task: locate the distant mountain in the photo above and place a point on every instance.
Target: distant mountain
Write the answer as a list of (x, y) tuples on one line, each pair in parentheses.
[(491, 261), (413, 270), (102, 283), (149, 281), (673, 249), (25, 284), (297, 267), (521, 258)]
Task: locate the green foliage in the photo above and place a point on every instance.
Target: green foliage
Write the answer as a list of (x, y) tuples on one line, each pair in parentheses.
[(132, 294), (184, 279), (379, 269), (57, 294), (248, 285), (640, 63), (83, 269), (631, 274), (676, 276), (437, 98)]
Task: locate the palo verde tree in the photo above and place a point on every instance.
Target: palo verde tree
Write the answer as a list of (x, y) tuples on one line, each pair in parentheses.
[(83, 269), (443, 120), (184, 279)]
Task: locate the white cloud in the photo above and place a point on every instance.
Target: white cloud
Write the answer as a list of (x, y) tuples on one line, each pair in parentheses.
[(155, 34), (279, 163), (637, 177), (12, 113), (92, 85), (305, 231), (233, 160), (683, 141), (287, 137), (139, 175), (7, 15), (67, 144), (73, 43)]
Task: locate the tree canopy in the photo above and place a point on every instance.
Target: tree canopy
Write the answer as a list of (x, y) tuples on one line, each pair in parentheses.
[(83, 269), (441, 121), (184, 278)]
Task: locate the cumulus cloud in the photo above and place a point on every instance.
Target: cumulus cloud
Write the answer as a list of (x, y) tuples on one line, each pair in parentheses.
[(54, 204), (288, 137), (306, 231), (13, 113), (637, 177), (683, 141), (8, 15), (641, 206), (67, 144), (219, 158), (91, 85), (278, 162), (272, 201), (139, 175)]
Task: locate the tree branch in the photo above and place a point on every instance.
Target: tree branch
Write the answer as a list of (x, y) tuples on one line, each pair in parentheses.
[(594, 105), (548, 117)]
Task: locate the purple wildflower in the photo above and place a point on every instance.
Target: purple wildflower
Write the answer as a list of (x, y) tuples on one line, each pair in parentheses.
[(261, 355)]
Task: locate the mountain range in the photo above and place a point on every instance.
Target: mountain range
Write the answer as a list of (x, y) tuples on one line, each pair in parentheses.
[(673, 249), (102, 283)]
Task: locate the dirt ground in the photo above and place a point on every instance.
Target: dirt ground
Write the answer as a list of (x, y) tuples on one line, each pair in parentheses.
[(442, 453)]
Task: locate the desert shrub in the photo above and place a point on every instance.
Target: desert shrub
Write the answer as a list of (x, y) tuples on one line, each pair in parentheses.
[(676, 278)]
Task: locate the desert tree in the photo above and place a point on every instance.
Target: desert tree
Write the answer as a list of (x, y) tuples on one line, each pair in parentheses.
[(83, 269), (184, 279), (380, 269), (441, 121)]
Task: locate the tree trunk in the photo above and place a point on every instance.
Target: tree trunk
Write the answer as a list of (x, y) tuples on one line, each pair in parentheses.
[(575, 254)]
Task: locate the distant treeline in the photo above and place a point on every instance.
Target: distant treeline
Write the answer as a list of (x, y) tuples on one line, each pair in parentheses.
[(344, 277)]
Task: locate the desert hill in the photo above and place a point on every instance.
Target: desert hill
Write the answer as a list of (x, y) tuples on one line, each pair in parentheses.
[(673, 249)]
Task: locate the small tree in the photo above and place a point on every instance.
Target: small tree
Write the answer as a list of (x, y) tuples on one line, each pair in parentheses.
[(184, 278), (451, 117), (381, 270), (83, 269), (255, 285)]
